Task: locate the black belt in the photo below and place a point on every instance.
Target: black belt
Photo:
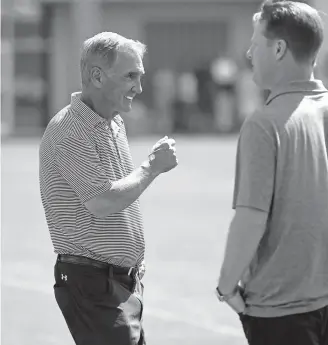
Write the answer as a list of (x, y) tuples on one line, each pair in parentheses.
[(82, 260)]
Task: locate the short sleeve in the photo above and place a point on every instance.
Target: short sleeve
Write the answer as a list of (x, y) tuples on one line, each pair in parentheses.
[(79, 164), (255, 168)]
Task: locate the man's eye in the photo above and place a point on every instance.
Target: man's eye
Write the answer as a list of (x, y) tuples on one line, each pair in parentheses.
[(133, 76)]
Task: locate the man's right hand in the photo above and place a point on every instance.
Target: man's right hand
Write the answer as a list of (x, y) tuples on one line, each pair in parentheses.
[(163, 156)]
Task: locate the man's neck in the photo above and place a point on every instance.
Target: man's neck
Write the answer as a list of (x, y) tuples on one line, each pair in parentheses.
[(298, 73), (97, 106)]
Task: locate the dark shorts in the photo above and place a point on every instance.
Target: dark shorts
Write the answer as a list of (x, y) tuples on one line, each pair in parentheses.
[(99, 308), (298, 329)]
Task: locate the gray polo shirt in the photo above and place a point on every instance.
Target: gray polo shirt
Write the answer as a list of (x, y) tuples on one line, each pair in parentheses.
[(282, 169)]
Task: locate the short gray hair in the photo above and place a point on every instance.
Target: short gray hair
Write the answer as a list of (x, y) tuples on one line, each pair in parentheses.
[(105, 45)]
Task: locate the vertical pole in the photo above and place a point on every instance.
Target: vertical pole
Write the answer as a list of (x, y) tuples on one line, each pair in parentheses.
[(7, 68)]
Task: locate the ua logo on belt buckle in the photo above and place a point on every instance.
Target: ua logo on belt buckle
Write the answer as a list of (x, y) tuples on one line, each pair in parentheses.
[(63, 277)]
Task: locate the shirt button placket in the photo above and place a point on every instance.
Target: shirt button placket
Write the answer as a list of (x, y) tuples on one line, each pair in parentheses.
[(112, 136)]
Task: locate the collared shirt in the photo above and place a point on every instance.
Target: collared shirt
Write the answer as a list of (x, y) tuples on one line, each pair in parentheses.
[(282, 169), (81, 154)]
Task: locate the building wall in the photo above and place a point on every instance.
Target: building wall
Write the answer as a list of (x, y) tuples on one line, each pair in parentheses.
[(60, 63), (41, 45), (74, 22), (22, 62), (7, 68), (30, 73), (130, 19), (70, 24)]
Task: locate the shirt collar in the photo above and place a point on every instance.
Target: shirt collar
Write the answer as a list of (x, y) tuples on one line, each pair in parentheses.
[(91, 117), (114, 124), (87, 114), (313, 87)]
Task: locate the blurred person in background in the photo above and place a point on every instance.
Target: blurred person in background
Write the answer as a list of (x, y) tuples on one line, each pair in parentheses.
[(186, 96), (275, 268), (249, 96), (206, 92), (90, 190), (224, 72)]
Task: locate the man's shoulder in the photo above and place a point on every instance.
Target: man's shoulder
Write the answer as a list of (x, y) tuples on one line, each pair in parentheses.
[(263, 117), (273, 116), (66, 123), (258, 131), (296, 105), (64, 119), (287, 103)]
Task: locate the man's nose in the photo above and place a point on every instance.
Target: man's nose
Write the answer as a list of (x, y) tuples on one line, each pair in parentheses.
[(137, 87)]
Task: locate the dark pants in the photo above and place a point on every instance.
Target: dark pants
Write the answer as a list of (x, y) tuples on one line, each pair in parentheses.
[(100, 308), (298, 329)]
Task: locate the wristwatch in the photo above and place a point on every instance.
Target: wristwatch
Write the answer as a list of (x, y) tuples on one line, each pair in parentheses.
[(224, 298), (151, 157)]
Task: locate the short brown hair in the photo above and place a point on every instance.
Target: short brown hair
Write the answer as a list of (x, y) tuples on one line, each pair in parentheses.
[(299, 24)]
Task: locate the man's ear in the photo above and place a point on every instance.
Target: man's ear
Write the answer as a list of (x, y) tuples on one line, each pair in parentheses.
[(96, 77), (280, 49)]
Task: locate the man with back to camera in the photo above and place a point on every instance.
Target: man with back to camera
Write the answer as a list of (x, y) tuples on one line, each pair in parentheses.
[(90, 190), (275, 269)]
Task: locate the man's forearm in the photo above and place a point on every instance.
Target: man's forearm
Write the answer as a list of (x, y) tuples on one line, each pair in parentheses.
[(245, 233), (128, 189), (123, 192)]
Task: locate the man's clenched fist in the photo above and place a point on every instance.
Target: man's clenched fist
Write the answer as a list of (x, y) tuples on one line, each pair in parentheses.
[(163, 156)]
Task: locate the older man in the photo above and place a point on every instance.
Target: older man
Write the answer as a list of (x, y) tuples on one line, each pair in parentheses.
[(278, 239), (90, 190)]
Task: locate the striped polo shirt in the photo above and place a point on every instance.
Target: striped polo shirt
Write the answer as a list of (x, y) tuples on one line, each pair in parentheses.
[(80, 155)]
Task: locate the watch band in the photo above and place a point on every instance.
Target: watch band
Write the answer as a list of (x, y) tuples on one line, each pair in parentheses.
[(224, 298)]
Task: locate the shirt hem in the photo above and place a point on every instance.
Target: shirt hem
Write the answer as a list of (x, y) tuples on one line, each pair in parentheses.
[(270, 311), (257, 207)]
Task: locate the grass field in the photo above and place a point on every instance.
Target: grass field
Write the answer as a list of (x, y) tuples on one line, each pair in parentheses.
[(186, 214)]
